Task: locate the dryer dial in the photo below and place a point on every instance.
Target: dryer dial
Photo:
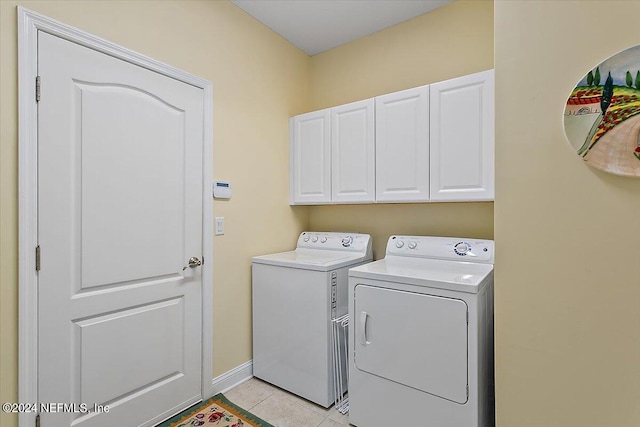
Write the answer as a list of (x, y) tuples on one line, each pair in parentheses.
[(462, 248)]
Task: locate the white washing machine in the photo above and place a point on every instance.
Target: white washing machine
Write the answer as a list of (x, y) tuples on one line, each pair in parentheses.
[(421, 335), (296, 294)]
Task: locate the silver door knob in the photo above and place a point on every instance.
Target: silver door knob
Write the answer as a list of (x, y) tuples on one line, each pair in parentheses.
[(194, 262)]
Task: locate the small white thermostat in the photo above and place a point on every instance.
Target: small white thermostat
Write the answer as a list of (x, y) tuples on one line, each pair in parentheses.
[(221, 190)]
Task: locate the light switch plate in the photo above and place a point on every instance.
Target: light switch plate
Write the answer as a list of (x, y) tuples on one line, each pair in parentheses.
[(219, 226)]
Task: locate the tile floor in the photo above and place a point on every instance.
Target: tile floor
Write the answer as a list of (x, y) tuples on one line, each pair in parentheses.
[(281, 408)]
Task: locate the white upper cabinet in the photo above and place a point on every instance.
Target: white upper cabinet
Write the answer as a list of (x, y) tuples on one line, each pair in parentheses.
[(462, 138), (430, 143), (310, 158), (402, 146), (353, 153)]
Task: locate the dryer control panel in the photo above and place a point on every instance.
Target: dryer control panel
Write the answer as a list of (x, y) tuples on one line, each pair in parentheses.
[(446, 248), (351, 242)]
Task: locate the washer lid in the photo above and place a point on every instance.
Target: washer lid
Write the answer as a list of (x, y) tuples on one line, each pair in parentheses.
[(312, 259), (452, 275)]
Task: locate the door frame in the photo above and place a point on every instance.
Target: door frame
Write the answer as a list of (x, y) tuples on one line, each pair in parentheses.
[(29, 23)]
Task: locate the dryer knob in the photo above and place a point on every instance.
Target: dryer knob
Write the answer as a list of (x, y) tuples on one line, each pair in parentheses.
[(462, 248), (314, 239), (346, 242), (323, 239), (305, 238), (412, 245), (399, 244)]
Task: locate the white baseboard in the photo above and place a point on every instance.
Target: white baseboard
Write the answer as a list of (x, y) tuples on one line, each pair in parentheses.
[(232, 378)]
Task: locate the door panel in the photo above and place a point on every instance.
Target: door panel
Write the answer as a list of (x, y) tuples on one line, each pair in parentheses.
[(140, 127), (120, 212), (462, 138), (402, 146), (311, 157), (352, 152), (132, 363), (414, 339)]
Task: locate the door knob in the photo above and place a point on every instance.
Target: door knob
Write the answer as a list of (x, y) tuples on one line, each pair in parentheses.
[(194, 262)]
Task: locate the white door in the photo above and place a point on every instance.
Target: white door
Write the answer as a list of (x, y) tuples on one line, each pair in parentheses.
[(353, 152), (120, 213), (310, 158), (462, 138), (402, 146), (413, 339)]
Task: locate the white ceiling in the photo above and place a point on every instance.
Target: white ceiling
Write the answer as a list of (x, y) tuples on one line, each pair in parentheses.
[(318, 25)]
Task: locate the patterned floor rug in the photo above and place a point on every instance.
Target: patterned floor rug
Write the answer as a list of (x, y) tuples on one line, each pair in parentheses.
[(217, 411)]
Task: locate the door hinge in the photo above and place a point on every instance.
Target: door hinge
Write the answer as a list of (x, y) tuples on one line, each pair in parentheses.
[(37, 88), (38, 420), (38, 258)]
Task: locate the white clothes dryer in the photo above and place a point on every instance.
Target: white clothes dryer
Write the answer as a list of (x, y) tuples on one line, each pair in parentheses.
[(296, 294), (421, 335)]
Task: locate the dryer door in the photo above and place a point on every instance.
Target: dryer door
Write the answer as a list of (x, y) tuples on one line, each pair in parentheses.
[(413, 339)]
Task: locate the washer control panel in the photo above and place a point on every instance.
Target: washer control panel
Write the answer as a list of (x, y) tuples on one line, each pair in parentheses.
[(352, 242), (447, 248)]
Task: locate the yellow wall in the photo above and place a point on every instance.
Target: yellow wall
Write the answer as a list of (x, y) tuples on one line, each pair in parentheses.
[(568, 254), (259, 81), (452, 41)]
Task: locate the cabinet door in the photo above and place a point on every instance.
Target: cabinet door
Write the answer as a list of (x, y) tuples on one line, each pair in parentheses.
[(402, 146), (352, 152), (310, 158), (462, 138)]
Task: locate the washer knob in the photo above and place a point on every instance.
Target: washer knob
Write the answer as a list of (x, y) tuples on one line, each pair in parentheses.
[(412, 245), (314, 239), (399, 244), (346, 242), (323, 239), (305, 238)]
